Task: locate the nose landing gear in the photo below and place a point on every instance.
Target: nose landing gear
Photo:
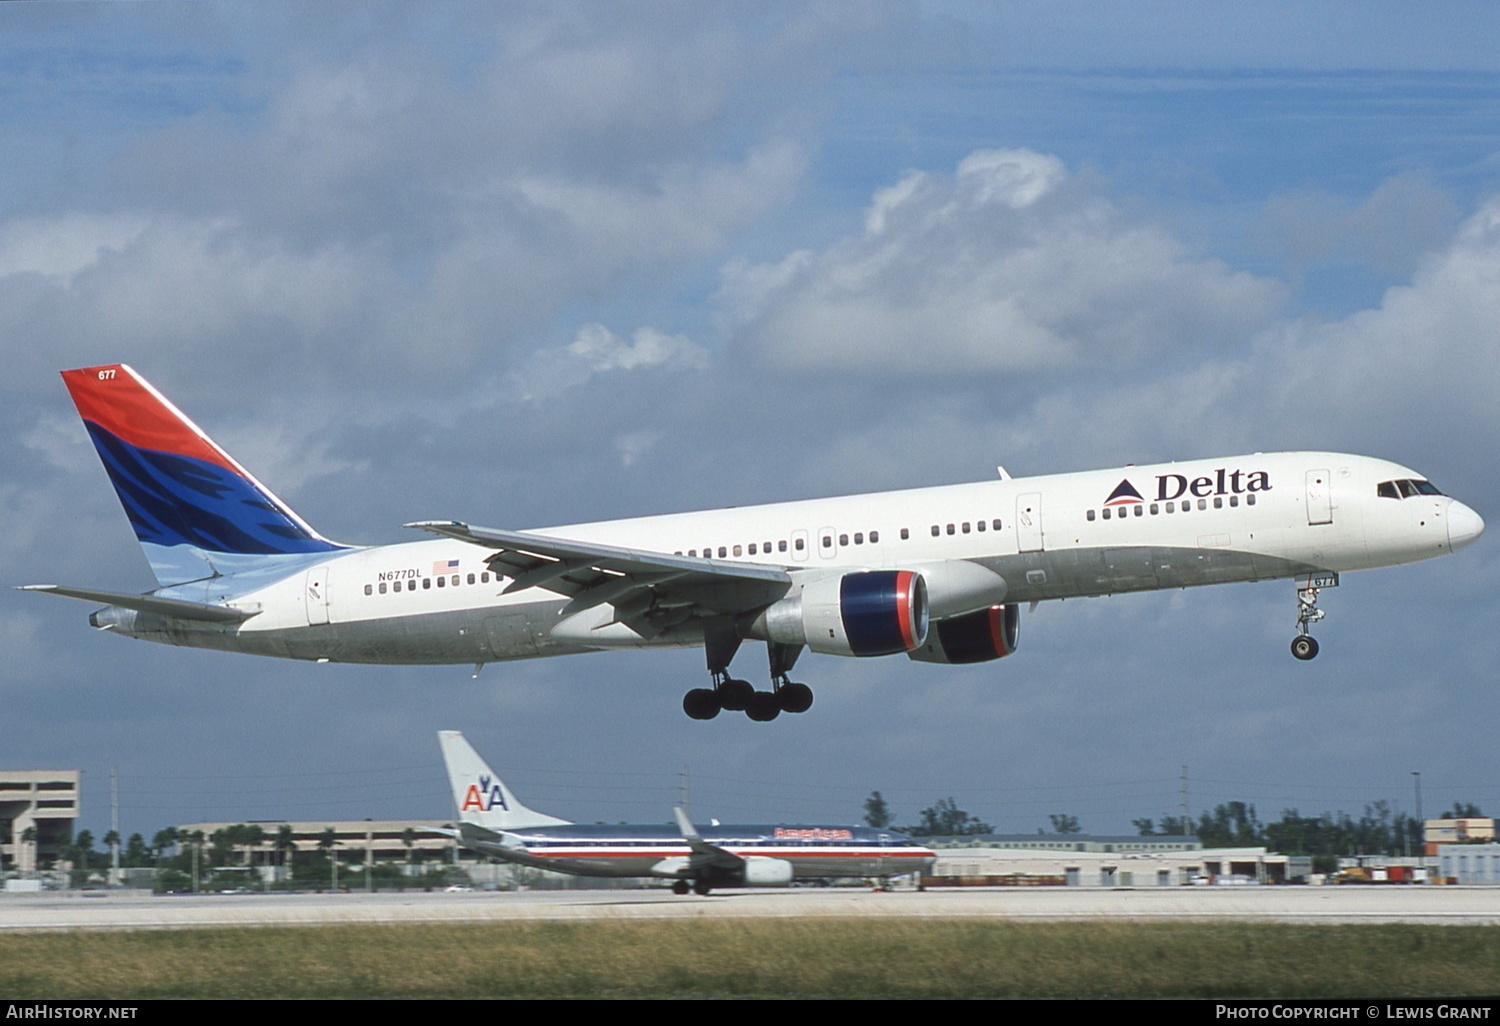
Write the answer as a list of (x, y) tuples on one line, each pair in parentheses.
[(1304, 645)]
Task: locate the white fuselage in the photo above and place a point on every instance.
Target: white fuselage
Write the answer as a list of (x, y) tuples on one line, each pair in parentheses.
[(1243, 518)]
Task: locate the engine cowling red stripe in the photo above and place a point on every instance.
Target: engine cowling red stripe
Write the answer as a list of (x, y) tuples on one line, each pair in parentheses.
[(904, 609)]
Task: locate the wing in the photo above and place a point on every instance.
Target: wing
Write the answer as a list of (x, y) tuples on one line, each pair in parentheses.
[(703, 853), (651, 591)]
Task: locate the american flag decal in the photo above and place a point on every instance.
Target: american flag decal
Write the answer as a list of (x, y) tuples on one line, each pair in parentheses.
[(444, 566)]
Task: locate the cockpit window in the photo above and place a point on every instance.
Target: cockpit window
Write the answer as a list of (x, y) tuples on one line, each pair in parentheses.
[(1405, 489)]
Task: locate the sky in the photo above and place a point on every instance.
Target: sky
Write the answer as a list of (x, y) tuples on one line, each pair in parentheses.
[(523, 265)]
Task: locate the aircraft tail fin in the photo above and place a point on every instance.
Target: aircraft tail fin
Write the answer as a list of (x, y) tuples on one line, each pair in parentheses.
[(195, 511), (479, 795)]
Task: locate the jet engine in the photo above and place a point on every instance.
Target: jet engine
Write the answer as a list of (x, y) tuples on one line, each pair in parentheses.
[(869, 613), (763, 871), (972, 638)]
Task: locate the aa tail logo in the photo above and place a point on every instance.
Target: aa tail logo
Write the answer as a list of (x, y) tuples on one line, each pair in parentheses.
[(484, 796)]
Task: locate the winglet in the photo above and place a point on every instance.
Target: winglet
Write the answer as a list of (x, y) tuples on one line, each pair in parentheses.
[(689, 832)]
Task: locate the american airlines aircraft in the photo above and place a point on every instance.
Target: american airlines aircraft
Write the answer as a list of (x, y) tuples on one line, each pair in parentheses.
[(938, 574), (492, 822)]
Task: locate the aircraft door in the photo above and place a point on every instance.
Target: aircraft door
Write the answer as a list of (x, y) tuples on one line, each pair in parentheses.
[(1029, 522), (315, 593), (1319, 497)]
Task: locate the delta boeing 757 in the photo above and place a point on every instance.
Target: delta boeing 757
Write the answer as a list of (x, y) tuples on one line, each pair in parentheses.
[(938, 574), (492, 822)]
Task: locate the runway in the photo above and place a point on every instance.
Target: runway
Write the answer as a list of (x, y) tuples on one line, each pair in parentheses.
[(1346, 904)]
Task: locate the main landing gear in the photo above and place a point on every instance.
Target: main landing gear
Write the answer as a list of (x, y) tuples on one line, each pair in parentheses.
[(1304, 645), (727, 693)]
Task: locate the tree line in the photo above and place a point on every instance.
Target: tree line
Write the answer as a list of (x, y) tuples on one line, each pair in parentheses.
[(1378, 831)]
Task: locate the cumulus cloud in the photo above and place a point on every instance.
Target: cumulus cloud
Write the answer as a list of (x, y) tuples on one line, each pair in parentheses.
[(597, 350), (1008, 265)]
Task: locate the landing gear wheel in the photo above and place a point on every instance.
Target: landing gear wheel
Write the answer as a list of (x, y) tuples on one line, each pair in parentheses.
[(701, 703), (763, 706), (734, 695), (794, 698), (680, 887), (701, 888), (1304, 646)]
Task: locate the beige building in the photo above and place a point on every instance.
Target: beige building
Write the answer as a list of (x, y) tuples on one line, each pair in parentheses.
[(374, 839), (37, 812), (1456, 831)]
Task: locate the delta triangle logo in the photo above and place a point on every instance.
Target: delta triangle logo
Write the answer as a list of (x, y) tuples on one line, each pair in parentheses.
[(1124, 495)]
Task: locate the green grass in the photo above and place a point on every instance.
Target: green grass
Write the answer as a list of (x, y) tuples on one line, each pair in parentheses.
[(853, 958)]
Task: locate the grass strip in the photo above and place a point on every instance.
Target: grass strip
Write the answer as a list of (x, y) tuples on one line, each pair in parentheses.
[(822, 958)]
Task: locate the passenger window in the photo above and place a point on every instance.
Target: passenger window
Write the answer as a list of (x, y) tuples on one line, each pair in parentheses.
[(1171, 507), (980, 526), (1250, 499), (874, 537), (484, 578), (1234, 500), (1106, 512), (905, 534), (427, 584), (950, 528), (936, 530), (859, 537), (828, 541), (1153, 509), (966, 527), (369, 590), (722, 552), (843, 539), (1088, 515), (442, 581), (800, 545), (995, 523), (781, 545), (1203, 504), (738, 550), (471, 578), (382, 587), (752, 548), (1139, 511), (1218, 502)]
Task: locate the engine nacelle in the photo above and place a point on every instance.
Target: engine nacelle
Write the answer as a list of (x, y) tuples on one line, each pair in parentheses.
[(764, 871), (972, 638), (868, 613)]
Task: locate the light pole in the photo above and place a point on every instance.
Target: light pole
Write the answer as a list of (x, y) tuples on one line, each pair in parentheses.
[(1421, 823)]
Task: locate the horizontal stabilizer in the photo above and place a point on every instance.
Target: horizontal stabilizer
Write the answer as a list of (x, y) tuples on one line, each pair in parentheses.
[(177, 608)]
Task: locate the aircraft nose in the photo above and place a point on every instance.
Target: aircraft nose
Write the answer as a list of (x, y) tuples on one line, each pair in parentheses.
[(1464, 525)]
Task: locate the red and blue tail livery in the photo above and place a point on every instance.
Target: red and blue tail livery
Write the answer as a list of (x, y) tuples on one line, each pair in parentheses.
[(179, 488)]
